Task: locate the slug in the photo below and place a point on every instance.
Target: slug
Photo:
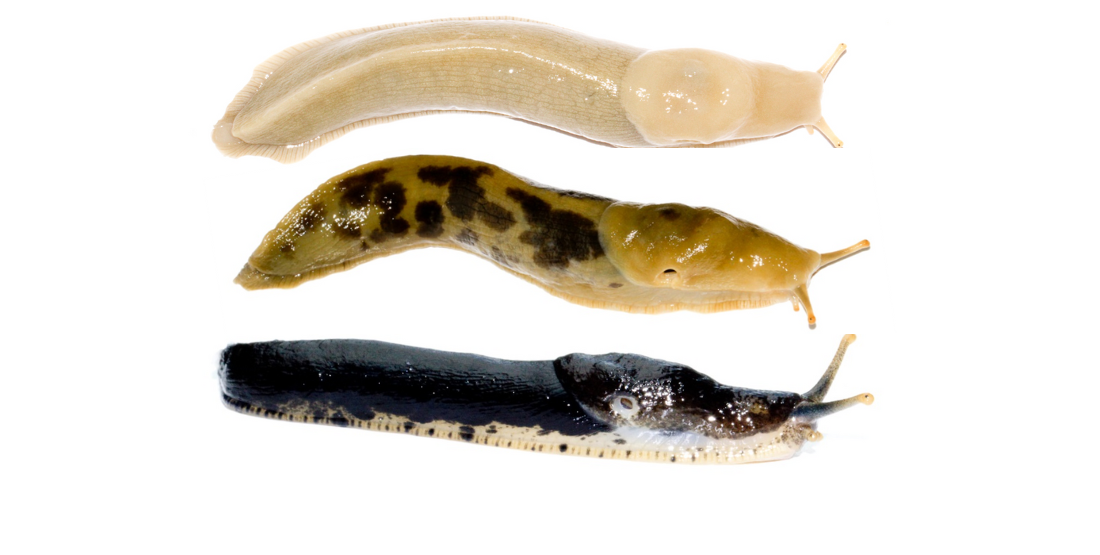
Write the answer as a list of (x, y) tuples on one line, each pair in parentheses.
[(583, 248), (615, 406), (600, 90)]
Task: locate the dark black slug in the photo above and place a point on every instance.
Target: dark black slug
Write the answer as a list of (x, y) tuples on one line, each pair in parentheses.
[(621, 406)]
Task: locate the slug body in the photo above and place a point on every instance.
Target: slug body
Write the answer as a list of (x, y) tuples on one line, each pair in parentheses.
[(604, 91), (586, 249), (620, 406)]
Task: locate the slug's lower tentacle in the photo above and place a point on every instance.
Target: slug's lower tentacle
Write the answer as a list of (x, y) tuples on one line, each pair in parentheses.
[(583, 248), (608, 406)]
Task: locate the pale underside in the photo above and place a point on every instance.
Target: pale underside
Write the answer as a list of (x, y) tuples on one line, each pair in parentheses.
[(635, 444)]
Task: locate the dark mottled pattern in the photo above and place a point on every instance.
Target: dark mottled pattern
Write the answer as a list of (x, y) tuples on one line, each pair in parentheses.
[(465, 198), (670, 214), (430, 215), (391, 198), (563, 447), (409, 426), (614, 285), (310, 218), (360, 191), (348, 229), (499, 257), (363, 378), (355, 191), (574, 194), (673, 397), (620, 441), (467, 237), (557, 235), (466, 433)]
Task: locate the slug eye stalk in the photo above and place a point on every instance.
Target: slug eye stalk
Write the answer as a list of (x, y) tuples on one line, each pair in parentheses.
[(812, 408)]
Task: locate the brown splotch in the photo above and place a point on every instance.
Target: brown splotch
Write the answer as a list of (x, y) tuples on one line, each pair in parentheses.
[(430, 215), (558, 236), (355, 191), (670, 214), (391, 198), (501, 258), (465, 198), (309, 219), (466, 433), (468, 237), (575, 194), (347, 229)]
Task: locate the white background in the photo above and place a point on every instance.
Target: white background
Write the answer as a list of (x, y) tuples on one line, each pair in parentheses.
[(969, 164)]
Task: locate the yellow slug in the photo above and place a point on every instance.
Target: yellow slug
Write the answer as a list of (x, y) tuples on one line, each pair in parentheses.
[(585, 249), (601, 90)]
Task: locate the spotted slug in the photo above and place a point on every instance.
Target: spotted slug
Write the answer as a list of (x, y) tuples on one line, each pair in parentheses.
[(585, 249), (614, 406), (600, 90)]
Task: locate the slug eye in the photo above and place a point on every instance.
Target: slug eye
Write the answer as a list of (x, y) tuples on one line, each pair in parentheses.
[(624, 405)]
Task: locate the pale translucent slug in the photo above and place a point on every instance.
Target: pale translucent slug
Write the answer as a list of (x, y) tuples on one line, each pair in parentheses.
[(586, 249), (614, 406), (603, 91)]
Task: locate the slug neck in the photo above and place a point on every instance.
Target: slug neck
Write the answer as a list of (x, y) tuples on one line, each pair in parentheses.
[(785, 99)]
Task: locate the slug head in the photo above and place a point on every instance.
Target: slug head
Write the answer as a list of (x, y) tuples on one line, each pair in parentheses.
[(693, 96), (700, 249), (637, 391)]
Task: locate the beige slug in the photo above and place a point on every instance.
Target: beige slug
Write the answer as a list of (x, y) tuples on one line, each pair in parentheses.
[(585, 249), (603, 91)]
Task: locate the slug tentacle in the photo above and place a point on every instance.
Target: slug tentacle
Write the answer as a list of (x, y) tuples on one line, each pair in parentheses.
[(822, 387), (583, 248), (836, 256), (827, 67), (811, 412), (824, 71), (596, 89), (621, 406)]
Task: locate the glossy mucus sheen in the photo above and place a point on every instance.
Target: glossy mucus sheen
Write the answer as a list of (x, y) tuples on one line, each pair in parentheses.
[(586, 249), (617, 406), (597, 89)]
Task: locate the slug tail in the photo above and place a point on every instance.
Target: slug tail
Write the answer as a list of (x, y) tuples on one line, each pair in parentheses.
[(818, 392), (253, 279), (234, 147)]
